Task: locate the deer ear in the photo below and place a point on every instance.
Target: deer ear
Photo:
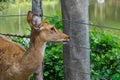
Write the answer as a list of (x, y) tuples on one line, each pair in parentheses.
[(29, 18), (33, 20), (36, 20)]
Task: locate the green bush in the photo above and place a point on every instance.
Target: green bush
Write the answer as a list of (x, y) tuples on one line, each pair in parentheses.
[(55, 21), (105, 56), (23, 41), (53, 63), (3, 5), (3, 0)]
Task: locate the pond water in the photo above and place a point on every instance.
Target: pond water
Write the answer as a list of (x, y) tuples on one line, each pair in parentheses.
[(102, 12), (106, 13)]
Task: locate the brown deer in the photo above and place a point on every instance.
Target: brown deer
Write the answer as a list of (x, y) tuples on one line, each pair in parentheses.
[(18, 64)]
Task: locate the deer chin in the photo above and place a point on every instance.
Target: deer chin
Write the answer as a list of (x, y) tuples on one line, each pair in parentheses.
[(63, 41)]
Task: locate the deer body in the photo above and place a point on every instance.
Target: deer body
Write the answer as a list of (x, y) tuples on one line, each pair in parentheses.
[(18, 64)]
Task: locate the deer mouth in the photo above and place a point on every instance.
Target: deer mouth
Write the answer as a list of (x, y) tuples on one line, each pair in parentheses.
[(65, 41)]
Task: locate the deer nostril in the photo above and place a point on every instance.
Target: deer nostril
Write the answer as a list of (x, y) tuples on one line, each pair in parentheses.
[(68, 37)]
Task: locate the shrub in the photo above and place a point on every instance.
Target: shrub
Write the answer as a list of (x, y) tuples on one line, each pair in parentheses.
[(23, 41), (3, 5), (3, 0), (53, 63), (105, 56)]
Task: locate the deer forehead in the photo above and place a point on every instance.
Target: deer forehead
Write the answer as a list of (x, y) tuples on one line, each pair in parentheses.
[(47, 26), (44, 23)]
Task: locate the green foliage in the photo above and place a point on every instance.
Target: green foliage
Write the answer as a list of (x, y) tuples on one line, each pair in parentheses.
[(53, 68), (105, 56), (23, 41), (3, 0), (55, 21), (3, 5), (32, 77)]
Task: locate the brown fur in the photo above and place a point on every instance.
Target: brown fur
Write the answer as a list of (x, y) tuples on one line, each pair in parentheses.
[(18, 64)]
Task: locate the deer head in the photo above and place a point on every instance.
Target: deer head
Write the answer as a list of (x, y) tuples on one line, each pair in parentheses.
[(46, 31)]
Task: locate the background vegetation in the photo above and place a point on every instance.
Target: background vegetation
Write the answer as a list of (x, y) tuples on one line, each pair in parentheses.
[(105, 56)]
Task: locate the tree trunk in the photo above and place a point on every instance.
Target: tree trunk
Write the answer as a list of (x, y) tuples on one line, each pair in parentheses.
[(37, 9), (76, 52)]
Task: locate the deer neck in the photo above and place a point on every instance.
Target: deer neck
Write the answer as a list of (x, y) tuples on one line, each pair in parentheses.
[(37, 46), (33, 57)]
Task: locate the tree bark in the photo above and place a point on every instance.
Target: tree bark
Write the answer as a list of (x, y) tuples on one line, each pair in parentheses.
[(37, 9), (76, 52)]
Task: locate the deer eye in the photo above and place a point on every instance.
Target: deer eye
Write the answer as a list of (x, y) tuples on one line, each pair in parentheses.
[(52, 28)]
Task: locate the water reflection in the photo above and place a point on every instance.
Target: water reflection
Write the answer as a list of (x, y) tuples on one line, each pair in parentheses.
[(104, 12), (101, 4), (51, 8), (101, 1)]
